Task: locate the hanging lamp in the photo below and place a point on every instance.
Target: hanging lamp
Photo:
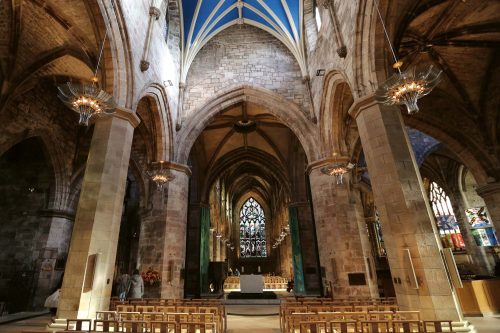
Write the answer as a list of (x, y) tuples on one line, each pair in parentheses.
[(405, 87), (87, 98)]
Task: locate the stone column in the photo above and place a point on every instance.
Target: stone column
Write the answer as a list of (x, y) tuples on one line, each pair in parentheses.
[(478, 255), (339, 232), (405, 213), (98, 217), (491, 196), (54, 248), (174, 250), (151, 238)]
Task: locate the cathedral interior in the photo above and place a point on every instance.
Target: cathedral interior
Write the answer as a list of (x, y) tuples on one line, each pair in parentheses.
[(340, 150)]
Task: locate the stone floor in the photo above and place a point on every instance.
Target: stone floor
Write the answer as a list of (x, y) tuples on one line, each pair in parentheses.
[(246, 318)]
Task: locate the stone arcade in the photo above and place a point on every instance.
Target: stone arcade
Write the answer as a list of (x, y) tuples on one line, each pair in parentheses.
[(246, 102)]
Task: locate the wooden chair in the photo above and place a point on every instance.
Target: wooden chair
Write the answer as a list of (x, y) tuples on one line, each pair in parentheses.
[(106, 315), (380, 316), (330, 316), (134, 326), (125, 308), (144, 308), (313, 327), (187, 309), (406, 326), (342, 308), (375, 327), (407, 315), (106, 326), (79, 325), (129, 316), (166, 308), (195, 327), (437, 326), (164, 327), (152, 316), (355, 316), (342, 326)]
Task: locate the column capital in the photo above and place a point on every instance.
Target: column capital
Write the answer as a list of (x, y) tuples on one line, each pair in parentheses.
[(128, 115), (361, 104), (325, 161), (154, 12), (489, 189), (179, 167)]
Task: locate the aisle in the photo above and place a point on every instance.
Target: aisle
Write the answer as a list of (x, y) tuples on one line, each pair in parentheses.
[(253, 318)]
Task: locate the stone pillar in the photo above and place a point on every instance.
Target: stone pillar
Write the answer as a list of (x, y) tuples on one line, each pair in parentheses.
[(98, 217), (405, 214), (174, 250), (151, 238), (491, 196), (341, 250), (477, 254), (55, 248)]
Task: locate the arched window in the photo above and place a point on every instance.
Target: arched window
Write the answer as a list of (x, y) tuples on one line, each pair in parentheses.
[(445, 218), (252, 230)]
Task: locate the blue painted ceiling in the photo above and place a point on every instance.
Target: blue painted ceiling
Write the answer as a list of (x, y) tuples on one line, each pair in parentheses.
[(423, 145), (203, 19)]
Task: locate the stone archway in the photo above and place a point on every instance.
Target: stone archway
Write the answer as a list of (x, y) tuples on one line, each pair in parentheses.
[(287, 112)]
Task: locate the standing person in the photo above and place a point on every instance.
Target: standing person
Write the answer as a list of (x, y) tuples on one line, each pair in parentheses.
[(123, 285), (137, 286)]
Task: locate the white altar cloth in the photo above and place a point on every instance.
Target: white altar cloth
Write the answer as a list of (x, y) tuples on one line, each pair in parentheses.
[(253, 284)]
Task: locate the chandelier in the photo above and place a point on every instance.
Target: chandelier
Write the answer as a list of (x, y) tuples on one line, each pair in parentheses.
[(160, 174), (87, 98), (337, 169), (406, 87)]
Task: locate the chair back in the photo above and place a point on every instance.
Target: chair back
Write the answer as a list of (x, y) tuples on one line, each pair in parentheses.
[(313, 327), (164, 327), (106, 325), (78, 324), (134, 326), (125, 308), (343, 326), (407, 326)]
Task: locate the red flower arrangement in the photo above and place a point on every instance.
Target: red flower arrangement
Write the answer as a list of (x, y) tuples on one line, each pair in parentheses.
[(151, 277)]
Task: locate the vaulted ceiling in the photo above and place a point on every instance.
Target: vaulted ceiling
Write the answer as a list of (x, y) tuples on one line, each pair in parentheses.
[(203, 19)]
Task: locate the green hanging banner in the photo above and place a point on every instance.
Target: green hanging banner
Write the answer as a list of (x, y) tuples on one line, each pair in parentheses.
[(204, 247), (298, 271)]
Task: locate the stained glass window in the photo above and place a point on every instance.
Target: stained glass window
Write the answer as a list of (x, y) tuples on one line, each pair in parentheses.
[(252, 230), (481, 228), (445, 218)]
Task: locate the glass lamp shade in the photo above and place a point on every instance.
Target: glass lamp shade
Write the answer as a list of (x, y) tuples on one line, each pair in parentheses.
[(336, 169), (408, 87), (86, 99), (160, 174)]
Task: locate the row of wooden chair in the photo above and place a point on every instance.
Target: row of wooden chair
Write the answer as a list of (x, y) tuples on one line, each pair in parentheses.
[(149, 317), (85, 325), (291, 319), (270, 282), (404, 326), (158, 302)]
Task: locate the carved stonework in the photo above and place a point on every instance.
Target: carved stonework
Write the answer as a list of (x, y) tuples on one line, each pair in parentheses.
[(323, 3), (144, 65), (342, 51), (154, 12)]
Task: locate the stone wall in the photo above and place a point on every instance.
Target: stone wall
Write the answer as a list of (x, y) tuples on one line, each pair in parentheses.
[(243, 55)]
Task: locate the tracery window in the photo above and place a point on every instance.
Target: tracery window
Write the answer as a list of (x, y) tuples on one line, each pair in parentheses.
[(445, 218), (252, 230)]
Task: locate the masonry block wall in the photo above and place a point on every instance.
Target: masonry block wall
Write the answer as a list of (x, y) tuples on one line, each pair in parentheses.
[(243, 55)]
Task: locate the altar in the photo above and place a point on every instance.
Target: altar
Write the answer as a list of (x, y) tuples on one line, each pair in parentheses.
[(252, 284)]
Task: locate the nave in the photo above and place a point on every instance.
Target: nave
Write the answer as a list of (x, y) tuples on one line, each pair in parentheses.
[(250, 318)]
